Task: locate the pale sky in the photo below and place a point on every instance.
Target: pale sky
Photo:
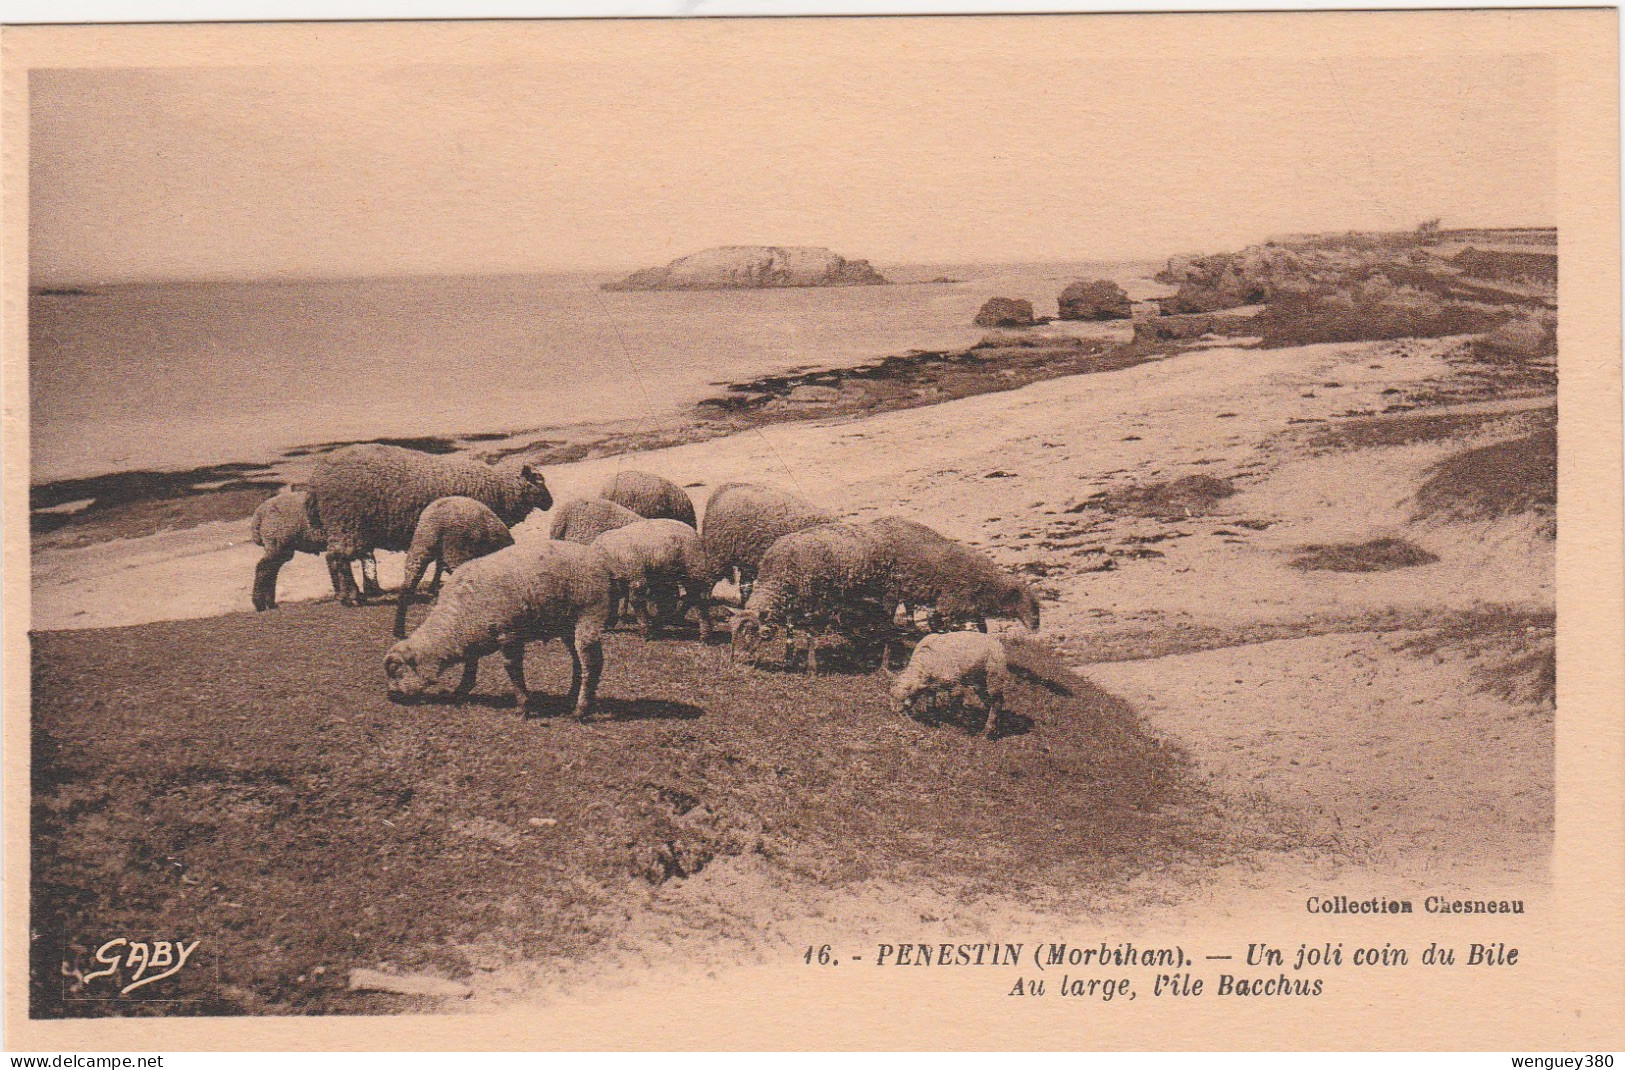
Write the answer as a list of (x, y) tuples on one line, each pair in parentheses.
[(891, 147)]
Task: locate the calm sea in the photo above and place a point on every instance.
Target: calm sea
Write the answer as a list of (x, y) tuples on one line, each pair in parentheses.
[(177, 375)]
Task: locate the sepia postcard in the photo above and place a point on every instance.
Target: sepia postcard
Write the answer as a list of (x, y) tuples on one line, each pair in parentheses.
[(976, 532)]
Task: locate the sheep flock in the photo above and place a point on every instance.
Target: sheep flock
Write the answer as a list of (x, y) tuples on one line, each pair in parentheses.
[(803, 578)]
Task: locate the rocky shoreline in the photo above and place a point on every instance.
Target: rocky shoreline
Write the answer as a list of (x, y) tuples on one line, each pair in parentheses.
[(136, 503)]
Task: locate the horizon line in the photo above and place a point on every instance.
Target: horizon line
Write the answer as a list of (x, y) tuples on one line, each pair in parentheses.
[(36, 289)]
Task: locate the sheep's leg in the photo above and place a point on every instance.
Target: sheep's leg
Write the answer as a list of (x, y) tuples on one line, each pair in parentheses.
[(338, 570), (638, 594), (471, 672), (925, 706), (369, 576), (265, 574), (995, 706), (660, 600), (667, 604), (338, 584), (350, 570), (513, 661), (417, 562), (439, 574), (981, 625), (592, 652), (812, 653), (697, 598), (574, 697)]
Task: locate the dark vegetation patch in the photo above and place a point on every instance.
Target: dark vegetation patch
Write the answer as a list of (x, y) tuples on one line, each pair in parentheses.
[(1502, 479), (123, 487), (1514, 650), (130, 504), (422, 443), (142, 518), (244, 778), (1175, 499), (1182, 327), (1376, 555), (925, 377), (1296, 320), (905, 381), (1510, 362), (1509, 265), (1528, 677), (1166, 636), (1405, 429), (439, 444)]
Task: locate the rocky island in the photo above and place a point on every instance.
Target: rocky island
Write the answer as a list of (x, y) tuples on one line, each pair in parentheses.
[(753, 267)]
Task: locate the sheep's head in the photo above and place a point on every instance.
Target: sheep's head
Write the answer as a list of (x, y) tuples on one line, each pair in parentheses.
[(905, 692), (536, 494), (1010, 600), (744, 627), (526, 490), (408, 681), (747, 630), (1021, 604)]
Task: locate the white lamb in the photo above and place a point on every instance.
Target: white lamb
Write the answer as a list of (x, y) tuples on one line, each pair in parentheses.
[(948, 664)]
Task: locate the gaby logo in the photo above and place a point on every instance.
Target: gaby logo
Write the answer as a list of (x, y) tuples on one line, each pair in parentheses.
[(134, 964)]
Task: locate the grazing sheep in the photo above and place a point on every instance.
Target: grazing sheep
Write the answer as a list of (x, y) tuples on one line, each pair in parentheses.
[(451, 533), (369, 497), (649, 496), (650, 560), (500, 602), (963, 585), (834, 577), (584, 519), (282, 527), (743, 519), (950, 663)]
